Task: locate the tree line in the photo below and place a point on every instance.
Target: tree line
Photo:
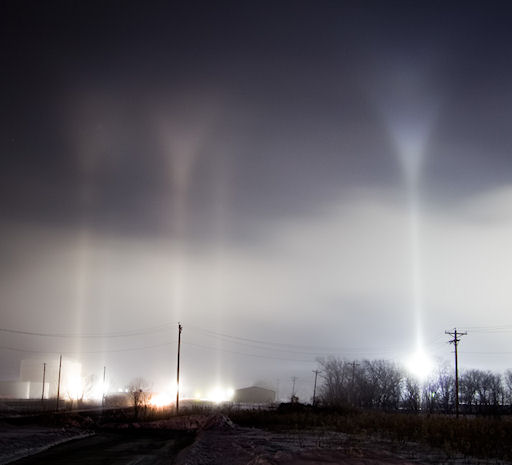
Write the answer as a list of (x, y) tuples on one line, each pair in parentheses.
[(385, 385)]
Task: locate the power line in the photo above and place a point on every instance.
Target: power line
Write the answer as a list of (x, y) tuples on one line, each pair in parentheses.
[(232, 339), (246, 354), (259, 345), (262, 347), (487, 353), (489, 329), (126, 349), (256, 341), (149, 330), (313, 350), (129, 349), (247, 342)]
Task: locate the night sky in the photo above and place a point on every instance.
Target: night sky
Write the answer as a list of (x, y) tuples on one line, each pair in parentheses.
[(251, 170)]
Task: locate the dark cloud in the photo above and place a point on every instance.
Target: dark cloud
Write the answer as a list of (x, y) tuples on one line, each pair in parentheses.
[(261, 143), (296, 114)]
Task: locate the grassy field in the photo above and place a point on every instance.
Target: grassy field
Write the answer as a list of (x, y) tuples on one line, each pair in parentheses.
[(478, 437), (483, 437)]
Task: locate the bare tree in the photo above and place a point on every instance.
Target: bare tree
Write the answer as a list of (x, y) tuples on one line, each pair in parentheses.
[(483, 390), (386, 378), (411, 394), (140, 393), (88, 386), (446, 390), (496, 390), (468, 385), (438, 392), (334, 388), (374, 384), (382, 384), (507, 379)]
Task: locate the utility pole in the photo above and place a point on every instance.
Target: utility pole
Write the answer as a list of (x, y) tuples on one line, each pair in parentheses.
[(44, 379), (314, 388), (354, 365), (103, 388), (455, 342), (178, 371), (58, 382), (294, 378)]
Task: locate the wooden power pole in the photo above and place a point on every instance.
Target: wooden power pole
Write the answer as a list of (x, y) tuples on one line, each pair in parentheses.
[(314, 388), (44, 379), (103, 387), (294, 379), (455, 341), (180, 328), (58, 382), (352, 384)]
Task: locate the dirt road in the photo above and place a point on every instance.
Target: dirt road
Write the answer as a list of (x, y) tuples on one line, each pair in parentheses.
[(116, 448)]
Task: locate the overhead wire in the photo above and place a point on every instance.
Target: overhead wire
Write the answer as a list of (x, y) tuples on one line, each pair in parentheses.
[(270, 345), (245, 354), (124, 349), (489, 329), (257, 344), (145, 331)]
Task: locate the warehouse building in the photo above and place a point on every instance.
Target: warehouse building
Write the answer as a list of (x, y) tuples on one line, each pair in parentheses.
[(254, 395)]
